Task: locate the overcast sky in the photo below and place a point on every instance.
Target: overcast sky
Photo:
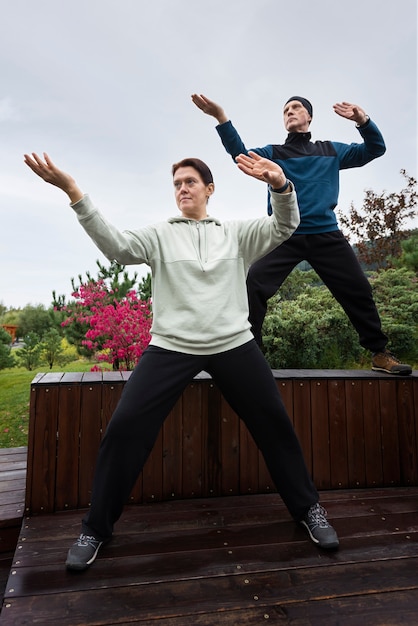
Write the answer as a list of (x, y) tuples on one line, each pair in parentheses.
[(104, 86)]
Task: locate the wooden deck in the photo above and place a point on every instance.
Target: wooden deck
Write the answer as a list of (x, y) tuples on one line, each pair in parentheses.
[(235, 560), (205, 540)]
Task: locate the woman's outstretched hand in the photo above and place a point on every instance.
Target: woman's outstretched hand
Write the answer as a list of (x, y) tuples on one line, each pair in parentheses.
[(256, 166), (50, 173)]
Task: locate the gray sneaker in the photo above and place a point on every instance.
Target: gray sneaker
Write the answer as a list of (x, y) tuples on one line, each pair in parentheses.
[(319, 529), (83, 552)]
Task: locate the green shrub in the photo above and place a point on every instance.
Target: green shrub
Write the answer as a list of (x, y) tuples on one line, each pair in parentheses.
[(305, 327)]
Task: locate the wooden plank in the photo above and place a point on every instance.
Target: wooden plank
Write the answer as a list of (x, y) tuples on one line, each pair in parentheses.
[(111, 393), (355, 434), (8, 453), (68, 447), (302, 421), (327, 612), (42, 451), (265, 482), (321, 469), (171, 453), (286, 390), (137, 492), (152, 474), (338, 435), (407, 428), (31, 445), (192, 444), (13, 496), (12, 500), (249, 459), (12, 466), (230, 442), (372, 434), (90, 434), (211, 454), (390, 433)]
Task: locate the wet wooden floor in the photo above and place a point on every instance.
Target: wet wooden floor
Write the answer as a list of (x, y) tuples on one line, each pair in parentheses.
[(236, 560)]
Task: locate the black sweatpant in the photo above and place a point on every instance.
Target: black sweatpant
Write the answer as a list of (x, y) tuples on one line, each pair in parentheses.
[(246, 381), (333, 259)]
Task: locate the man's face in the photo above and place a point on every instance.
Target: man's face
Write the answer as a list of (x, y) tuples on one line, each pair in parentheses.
[(191, 192), (296, 118)]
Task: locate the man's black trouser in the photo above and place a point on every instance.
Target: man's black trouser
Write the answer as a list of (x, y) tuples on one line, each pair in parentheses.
[(333, 259), (246, 381)]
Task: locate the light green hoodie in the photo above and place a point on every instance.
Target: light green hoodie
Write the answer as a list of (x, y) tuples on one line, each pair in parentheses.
[(199, 269)]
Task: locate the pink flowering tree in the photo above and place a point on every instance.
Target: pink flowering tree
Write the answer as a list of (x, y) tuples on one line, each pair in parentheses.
[(117, 328)]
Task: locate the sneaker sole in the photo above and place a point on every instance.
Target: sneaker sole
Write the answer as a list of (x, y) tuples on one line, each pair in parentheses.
[(327, 546), (405, 372)]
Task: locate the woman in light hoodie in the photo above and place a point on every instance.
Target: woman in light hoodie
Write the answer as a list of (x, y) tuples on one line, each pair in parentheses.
[(200, 322)]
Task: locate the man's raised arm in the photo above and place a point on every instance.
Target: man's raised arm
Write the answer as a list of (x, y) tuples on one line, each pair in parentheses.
[(209, 107)]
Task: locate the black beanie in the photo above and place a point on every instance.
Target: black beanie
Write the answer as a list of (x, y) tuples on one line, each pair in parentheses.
[(304, 101)]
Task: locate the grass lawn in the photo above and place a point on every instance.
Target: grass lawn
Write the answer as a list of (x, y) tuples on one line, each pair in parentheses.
[(14, 400)]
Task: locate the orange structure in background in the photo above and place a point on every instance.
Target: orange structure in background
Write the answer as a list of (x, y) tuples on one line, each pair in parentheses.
[(11, 329)]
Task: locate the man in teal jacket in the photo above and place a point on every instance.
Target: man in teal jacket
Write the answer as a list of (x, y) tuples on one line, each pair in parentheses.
[(314, 169)]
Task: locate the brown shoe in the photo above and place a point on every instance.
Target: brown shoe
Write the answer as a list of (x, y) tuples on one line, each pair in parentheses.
[(386, 362)]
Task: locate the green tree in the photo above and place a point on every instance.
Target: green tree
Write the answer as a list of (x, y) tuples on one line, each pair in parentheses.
[(119, 285), (30, 355), (409, 255), (11, 316), (34, 319), (379, 228), (145, 288), (6, 359), (51, 347)]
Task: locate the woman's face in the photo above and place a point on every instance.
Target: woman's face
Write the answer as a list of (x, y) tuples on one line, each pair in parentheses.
[(191, 193)]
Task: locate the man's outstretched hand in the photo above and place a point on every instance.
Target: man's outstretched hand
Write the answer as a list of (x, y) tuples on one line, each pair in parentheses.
[(209, 107), (351, 112)]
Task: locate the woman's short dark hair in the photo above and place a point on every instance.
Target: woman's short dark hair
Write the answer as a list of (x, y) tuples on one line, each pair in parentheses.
[(198, 165)]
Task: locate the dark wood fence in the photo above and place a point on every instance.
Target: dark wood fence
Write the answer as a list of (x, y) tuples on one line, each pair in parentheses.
[(357, 429)]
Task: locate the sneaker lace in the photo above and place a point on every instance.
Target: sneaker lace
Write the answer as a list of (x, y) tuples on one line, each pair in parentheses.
[(317, 516), (85, 540)]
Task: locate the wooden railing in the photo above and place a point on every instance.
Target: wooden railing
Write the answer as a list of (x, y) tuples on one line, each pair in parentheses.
[(357, 429)]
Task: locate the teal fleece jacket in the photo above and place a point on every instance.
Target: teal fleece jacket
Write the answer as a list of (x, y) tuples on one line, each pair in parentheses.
[(199, 269), (314, 168)]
